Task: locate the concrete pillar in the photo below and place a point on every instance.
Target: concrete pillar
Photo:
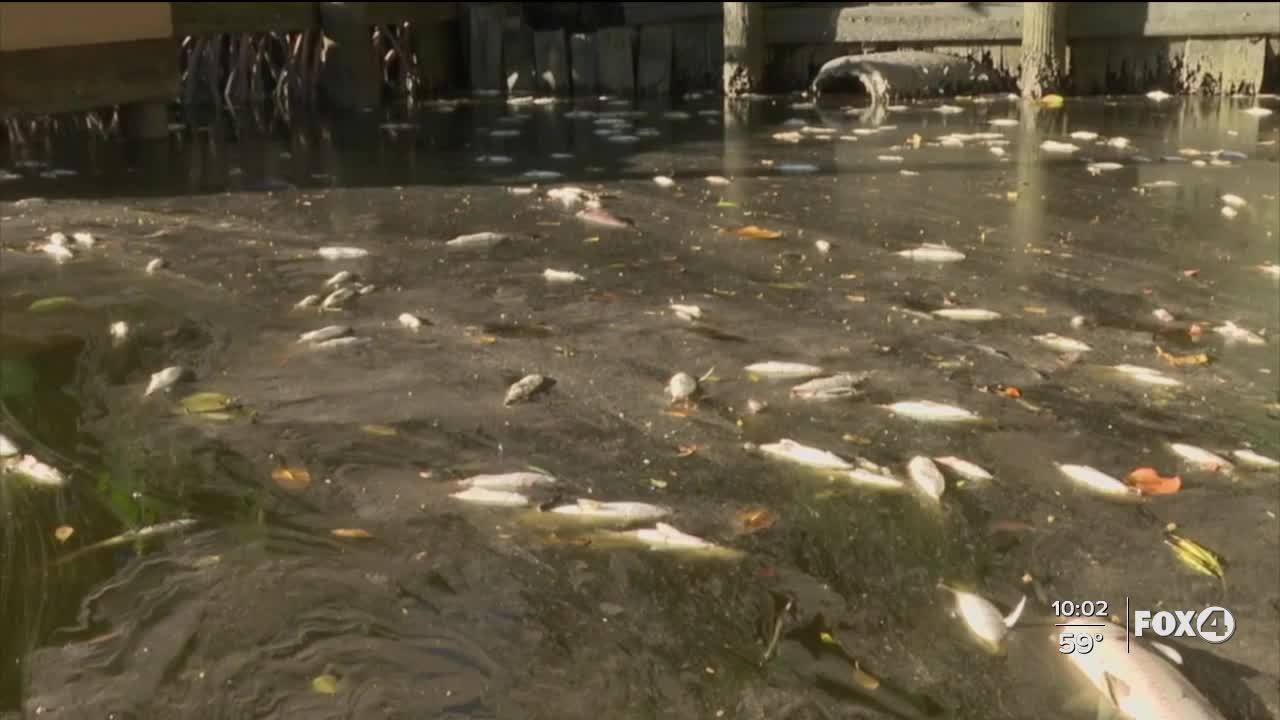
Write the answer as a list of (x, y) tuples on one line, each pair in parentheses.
[(743, 47), (1044, 48)]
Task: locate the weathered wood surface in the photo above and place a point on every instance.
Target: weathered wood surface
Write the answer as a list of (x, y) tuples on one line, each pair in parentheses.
[(744, 26), (88, 77), (37, 26), (615, 61), (584, 63), (1044, 48), (1193, 65), (518, 69), (551, 61), (654, 60)]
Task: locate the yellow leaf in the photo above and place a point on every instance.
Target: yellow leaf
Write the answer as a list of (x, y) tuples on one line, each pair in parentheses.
[(755, 519), (1052, 101), (325, 684), (660, 484), (856, 298), (63, 533), (686, 450), (1196, 556), (1181, 360), (486, 339), (291, 479), (856, 439), (384, 430), (755, 232), (827, 639), (352, 533)]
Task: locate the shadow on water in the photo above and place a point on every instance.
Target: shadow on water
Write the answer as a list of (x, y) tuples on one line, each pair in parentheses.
[(329, 573)]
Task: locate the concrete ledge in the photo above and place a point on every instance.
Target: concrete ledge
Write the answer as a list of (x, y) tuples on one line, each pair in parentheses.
[(88, 77)]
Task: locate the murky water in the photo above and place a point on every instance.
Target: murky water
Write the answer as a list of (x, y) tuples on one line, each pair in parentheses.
[(442, 609)]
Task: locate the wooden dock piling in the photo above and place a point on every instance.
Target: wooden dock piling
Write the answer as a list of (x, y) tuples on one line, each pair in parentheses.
[(743, 47), (1044, 49)]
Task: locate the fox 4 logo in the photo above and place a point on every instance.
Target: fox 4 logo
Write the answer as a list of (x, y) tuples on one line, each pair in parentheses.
[(1214, 624)]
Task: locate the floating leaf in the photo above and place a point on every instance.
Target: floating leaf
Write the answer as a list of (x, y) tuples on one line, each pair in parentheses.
[(1182, 360), (1196, 556), (755, 232), (659, 484), (1052, 101), (856, 298), (352, 533), (725, 293), (486, 339), (856, 439), (383, 430), (208, 402), (686, 451), (64, 532), (325, 684), (1151, 482), (51, 303), (756, 519), (865, 679), (726, 204), (1011, 391), (291, 479)]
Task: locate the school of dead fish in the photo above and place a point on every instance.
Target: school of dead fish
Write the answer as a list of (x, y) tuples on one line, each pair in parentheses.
[(1147, 682)]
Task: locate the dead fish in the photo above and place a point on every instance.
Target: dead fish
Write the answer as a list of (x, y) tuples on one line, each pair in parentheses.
[(1147, 376), (789, 136), (1258, 111), (480, 240), (822, 246), (57, 238), (497, 498), (794, 452), (570, 197), (1054, 146), (663, 181), (1118, 142), (523, 388), (561, 276), (1097, 481), (324, 333), (541, 174), (164, 379), (1159, 95), (59, 253), (1159, 184), (365, 289), (964, 468), (796, 168), (507, 481), (1229, 212), (967, 314), (682, 386), (339, 252), (1162, 315), (997, 151), (504, 133), (1234, 201), (494, 159), (340, 278), (1254, 460), (340, 342), (927, 477), (983, 619), (755, 407), (603, 218), (717, 180), (1086, 135), (1236, 334), (890, 158), (34, 471), (1097, 168), (1004, 122), (119, 332), (871, 478), (1271, 269), (1200, 457), (687, 312), (586, 509), (929, 411), (1061, 344), (308, 301), (623, 139), (665, 537), (7, 447), (842, 385), (156, 265), (84, 239), (336, 298), (134, 535), (784, 370), (932, 253), (1139, 683), (410, 321)]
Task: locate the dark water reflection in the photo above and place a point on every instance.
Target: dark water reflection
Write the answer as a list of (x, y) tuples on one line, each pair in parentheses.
[(454, 611)]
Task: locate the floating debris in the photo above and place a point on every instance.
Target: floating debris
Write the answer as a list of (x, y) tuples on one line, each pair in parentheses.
[(410, 321), (822, 246), (1097, 168), (561, 276), (307, 302), (202, 403), (51, 303), (58, 253), (794, 452), (483, 496), (784, 370), (1147, 376), (982, 618), (932, 253), (1097, 481), (1229, 212), (508, 481), (341, 253), (1162, 315), (964, 468), (687, 312), (335, 299), (324, 333), (84, 239), (524, 388), (570, 197), (614, 512), (842, 385), (1201, 458), (7, 447), (29, 468), (927, 477), (967, 314), (164, 379), (1234, 201), (1196, 556), (1054, 146), (1062, 344), (1236, 334), (1254, 460), (475, 241), (681, 387), (929, 411)]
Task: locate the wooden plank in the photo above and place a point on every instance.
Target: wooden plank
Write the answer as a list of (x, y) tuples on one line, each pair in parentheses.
[(208, 18), (88, 77), (35, 25), (1218, 66), (615, 61), (484, 31), (691, 67), (551, 62), (518, 69), (653, 64), (1173, 19), (584, 64)]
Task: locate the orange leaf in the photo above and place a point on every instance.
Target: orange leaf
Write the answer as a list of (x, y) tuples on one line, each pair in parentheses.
[(1151, 482), (676, 412), (755, 232), (291, 479), (63, 533), (755, 519), (1012, 392), (687, 450), (1180, 360), (352, 533)]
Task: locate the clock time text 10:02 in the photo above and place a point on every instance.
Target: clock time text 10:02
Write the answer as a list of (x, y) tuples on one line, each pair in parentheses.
[(1087, 608)]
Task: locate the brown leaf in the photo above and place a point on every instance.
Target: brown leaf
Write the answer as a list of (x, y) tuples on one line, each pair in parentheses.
[(291, 479), (352, 533), (383, 430), (755, 232), (1182, 360), (856, 298), (63, 533), (676, 412), (865, 679), (606, 297), (687, 450), (486, 339), (1151, 482), (1011, 391), (755, 519)]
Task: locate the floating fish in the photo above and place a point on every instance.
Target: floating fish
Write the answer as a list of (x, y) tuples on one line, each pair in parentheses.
[(676, 115), (365, 289), (785, 370), (871, 478), (84, 239), (494, 159), (59, 253), (507, 481), (164, 379), (1147, 376), (1258, 111), (603, 218), (308, 301), (687, 312), (1234, 201), (498, 498), (794, 452), (1236, 334), (324, 333), (796, 168), (789, 137), (339, 342), (541, 174), (1200, 457), (477, 241), (842, 385), (890, 158), (338, 252), (1054, 146), (595, 510), (7, 447), (667, 538), (717, 180), (1271, 269), (1229, 212), (948, 109), (570, 197), (1098, 481), (682, 386), (523, 389), (339, 278), (967, 314), (1139, 683), (336, 298), (34, 471), (1061, 344), (1159, 184), (561, 156), (929, 411), (964, 468), (1162, 315), (822, 246), (932, 253), (57, 238), (926, 476), (908, 173), (997, 151), (410, 321), (983, 619), (561, 276), (1159, 95), (1254, 460), (1097, 168), (624, 139), (504, 133), (1004, 122), (1086, 135)]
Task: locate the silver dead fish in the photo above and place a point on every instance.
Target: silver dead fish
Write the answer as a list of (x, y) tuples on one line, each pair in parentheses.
[(929, 411), (967, 314), (325, 333), (932, 253), (682, 386), (523, 388), (603, 218), (561, 276), (664, 537), (982, 618), (507, 481), (498, 498), (308, 301), (872, 478), (336, 298), (842, 385), (340, 342), (1200, 457), (595, 510), (1236, 334), (29, 468), (793, 452), (164, 379), (410, 321), (1146, 376), (340, 278), (477, 241), (964, 468), (7, 447), (784, 370), (687, 312), (1098, 482), (84, 239), (156, 265), (59, 253), (1061, 344), (927, 477), (339, 252)]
